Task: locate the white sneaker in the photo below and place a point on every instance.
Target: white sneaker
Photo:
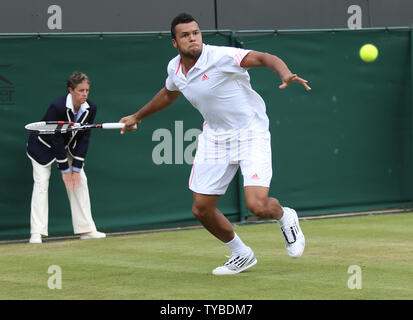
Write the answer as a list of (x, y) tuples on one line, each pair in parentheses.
[(35, 238), (93, 235), (236, 264), (294, 237)]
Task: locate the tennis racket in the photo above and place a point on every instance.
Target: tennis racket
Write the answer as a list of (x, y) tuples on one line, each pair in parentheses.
[(52, 127)]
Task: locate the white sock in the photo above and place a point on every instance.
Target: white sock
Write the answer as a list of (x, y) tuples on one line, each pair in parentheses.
[(283, 219), (237, 246)]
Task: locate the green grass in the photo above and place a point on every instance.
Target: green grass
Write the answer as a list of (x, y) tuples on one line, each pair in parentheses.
[(178, 265)]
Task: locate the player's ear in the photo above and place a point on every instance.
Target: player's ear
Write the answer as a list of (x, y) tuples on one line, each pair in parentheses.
[(174, 43)]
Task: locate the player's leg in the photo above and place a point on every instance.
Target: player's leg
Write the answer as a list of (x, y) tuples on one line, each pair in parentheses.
[(263, 206), (39, 208), (260, 204), (242, 257), (210, 176), (205, 210), (209, 179), (257, 173)]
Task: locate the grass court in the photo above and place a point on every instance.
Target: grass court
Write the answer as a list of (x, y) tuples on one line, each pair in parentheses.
[(178, 264)]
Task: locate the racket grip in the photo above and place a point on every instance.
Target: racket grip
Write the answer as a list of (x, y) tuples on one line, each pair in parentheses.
[(114, 125)]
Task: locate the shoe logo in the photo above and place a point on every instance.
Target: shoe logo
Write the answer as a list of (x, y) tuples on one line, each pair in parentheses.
[(205, 77), (239, 262), (293, 233), (255, 176)]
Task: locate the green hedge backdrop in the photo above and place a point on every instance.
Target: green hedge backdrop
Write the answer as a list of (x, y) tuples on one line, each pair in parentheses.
[(344, 146)]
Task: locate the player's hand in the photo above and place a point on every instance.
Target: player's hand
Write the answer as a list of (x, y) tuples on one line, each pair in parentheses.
[(68, 181), (75, 179), (130, 123), (294, 78)]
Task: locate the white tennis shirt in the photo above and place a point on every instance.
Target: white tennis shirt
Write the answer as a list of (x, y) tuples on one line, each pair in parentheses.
[(220, 89)]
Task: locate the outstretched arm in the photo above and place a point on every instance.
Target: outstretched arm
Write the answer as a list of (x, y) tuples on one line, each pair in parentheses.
[(163, 99), (261, 59)]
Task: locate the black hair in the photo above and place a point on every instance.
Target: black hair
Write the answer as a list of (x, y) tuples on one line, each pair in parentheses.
[(181, 18)]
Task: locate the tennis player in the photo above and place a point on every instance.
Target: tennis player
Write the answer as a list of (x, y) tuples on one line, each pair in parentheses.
[(235, 134), (69, 151)]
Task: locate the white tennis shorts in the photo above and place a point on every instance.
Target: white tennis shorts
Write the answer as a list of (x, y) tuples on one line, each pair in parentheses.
[(219, 156)]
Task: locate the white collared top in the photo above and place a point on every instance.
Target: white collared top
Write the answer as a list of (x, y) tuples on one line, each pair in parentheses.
[(220, 89), (69, 105)]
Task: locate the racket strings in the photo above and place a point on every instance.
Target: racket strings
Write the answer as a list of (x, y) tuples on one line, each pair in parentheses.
[(50, 127)]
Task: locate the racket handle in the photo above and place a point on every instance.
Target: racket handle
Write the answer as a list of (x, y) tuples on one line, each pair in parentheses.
[(113, 125)]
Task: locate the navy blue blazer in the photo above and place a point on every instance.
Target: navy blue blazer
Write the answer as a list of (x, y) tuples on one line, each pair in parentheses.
[(45, 149)]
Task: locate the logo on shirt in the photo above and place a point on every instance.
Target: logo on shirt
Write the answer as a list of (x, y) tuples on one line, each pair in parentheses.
[(205, 77), (255, 177)]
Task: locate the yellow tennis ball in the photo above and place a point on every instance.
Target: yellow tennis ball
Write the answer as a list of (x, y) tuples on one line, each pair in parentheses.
[(368, 52)]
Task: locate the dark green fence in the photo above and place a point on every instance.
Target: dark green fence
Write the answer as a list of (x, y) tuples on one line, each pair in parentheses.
[(344, 146)]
